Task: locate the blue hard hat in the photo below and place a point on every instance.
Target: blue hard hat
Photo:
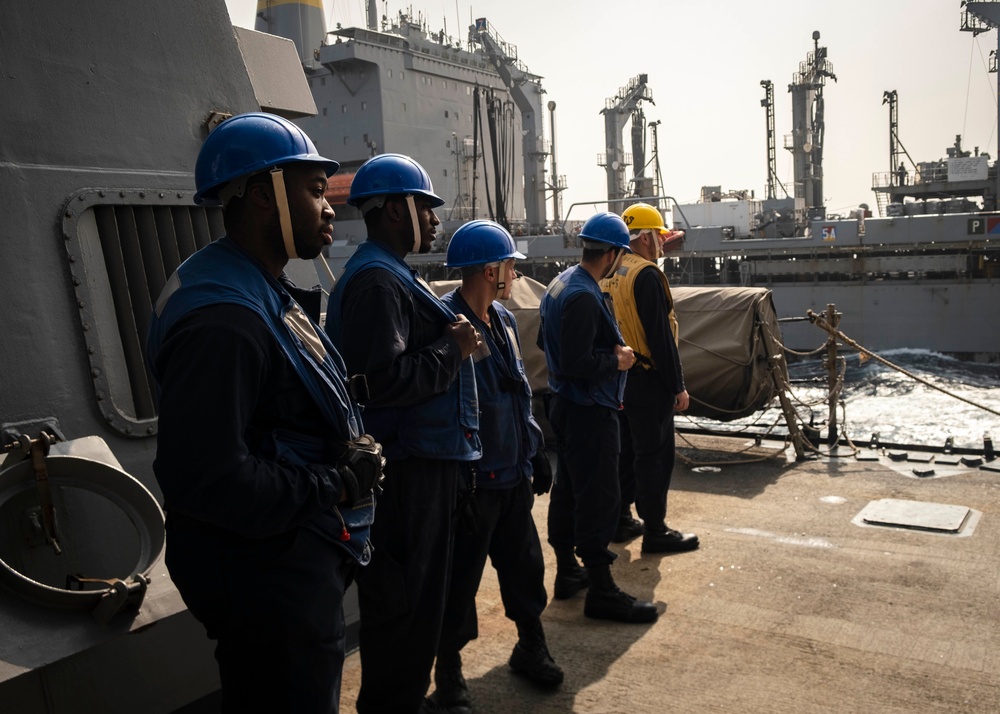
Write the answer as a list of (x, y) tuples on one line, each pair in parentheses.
[(606, 228), (247, 144), (390, 174), (480, 242)]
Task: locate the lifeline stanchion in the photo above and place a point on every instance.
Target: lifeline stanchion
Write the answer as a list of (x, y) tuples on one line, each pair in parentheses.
[(823, 324)]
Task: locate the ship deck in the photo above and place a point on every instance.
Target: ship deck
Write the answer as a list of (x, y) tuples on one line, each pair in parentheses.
[(791, 604)]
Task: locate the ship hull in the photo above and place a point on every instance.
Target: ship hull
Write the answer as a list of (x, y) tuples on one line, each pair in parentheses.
[(920, 282), (951, 318)]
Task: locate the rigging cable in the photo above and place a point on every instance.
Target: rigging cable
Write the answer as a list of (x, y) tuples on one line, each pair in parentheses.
[(968, 88), (500, 116), (823, 324), (480, 141)]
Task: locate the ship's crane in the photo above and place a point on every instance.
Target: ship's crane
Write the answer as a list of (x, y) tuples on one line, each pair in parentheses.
[(526, 90), (931, 180), (809, 126), (617, 110), (898, 176)]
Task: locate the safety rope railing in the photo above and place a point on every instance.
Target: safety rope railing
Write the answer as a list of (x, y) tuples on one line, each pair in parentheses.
[(785, 394), (780, 390), (820, 322)]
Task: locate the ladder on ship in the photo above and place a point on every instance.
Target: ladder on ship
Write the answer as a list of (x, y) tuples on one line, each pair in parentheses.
[(882, 201)]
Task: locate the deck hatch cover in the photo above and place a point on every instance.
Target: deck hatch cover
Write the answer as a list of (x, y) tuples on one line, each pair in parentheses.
[(938, 517)]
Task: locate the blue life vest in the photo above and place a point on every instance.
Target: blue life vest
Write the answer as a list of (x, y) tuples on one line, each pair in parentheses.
[(507, 429), (446, 425), (571, 282), (222, 273)]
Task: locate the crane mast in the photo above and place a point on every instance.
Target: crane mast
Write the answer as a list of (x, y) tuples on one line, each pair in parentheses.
[(526, 90), (617, 111)]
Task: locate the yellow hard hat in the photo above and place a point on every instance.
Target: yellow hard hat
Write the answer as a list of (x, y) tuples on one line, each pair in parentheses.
[(642, 216)]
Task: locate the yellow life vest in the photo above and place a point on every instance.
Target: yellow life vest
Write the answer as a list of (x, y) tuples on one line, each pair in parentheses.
[(621, 286)]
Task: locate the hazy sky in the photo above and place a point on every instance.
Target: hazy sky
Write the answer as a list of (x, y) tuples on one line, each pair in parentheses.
[(705, 61)]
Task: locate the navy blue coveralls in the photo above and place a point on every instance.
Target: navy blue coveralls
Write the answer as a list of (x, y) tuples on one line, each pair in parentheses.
[(249, 426), (422, 408), (578, 335), (504, 529), (648, 442)]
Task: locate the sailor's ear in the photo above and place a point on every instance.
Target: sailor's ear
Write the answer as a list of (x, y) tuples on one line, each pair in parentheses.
[(396, 210), (260, 194)]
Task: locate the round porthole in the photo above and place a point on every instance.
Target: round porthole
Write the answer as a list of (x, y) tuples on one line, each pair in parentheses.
[(88, 531)]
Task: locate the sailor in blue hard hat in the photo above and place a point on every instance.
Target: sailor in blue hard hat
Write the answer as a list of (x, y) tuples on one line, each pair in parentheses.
[(278, 484), (514, 468), (587, 361), (258, 148), (415, 355), (488, 244), (388, 176)]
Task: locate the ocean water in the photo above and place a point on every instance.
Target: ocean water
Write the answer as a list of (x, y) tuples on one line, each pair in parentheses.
[(878, 399)]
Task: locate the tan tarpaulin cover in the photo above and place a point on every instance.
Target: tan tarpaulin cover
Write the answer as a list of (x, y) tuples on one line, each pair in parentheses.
[(722, 349), (722, 352)]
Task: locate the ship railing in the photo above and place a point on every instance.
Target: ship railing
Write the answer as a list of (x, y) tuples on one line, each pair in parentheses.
[(506, 49), (626, 160), (636, 89), (924, 174), (933, 173), (789, 140), (617, 205), (974, 23), (373, 38), (883, 179)]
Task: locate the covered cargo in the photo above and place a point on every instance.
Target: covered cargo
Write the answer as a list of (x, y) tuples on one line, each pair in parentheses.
[(724, 348), (726, 336)]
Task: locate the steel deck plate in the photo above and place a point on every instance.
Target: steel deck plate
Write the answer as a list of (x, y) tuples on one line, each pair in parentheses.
[(939, 517)]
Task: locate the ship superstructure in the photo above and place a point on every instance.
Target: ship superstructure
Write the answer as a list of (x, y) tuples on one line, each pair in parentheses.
[(394, 86), (921, 275), (470, 112)]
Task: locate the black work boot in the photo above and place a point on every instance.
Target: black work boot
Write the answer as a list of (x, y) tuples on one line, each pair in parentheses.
[(628, 527), (451, 693), (531, 658), (667, 540), (606, 602), (571, 577)]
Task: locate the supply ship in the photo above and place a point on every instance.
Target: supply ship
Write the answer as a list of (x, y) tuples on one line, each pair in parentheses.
[(922, 274), (917, 272)]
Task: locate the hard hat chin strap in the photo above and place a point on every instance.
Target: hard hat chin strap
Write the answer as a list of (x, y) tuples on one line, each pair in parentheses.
[(616, 263), (501, 282), (411, 204), (284, 215)]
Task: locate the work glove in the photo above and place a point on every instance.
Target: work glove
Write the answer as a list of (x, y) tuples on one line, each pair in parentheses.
[(541, 479), (361, 471)]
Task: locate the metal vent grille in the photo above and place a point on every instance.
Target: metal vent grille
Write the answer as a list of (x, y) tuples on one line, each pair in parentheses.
[(122, 245)]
